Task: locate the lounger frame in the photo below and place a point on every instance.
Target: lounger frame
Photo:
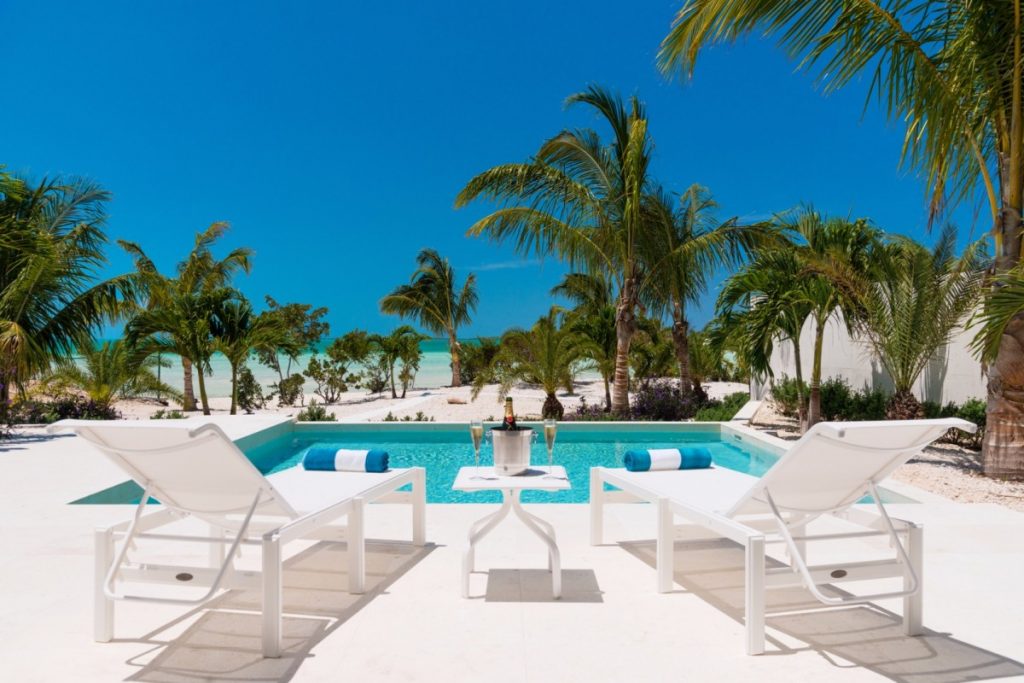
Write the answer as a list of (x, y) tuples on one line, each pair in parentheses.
[(790, 530)]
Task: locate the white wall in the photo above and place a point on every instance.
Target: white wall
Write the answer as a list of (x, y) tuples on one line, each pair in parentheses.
[(954, 375)]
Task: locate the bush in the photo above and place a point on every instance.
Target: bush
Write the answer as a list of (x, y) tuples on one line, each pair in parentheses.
[(663, 400), (420, 417), (589, 413), (837, 398), (315, 413), (167, 415), (785, 395), (250, 393), (61, 408), (866, 404), (722, 411), (288, 390)]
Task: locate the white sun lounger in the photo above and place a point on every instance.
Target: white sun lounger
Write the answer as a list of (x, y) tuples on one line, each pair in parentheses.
[(199, 472), (830, 468)]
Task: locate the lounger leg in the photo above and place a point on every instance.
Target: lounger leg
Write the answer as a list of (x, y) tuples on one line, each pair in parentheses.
[(801, 546), (103, 607), (419, 508), (754, 598), (356, 540), (913, 604), (666, 547), (272, 596), (596, 507)]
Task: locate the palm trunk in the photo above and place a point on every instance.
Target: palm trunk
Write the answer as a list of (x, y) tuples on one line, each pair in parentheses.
[(234, 389), (188, 401), (552, 408), (453, 349), (1003, 447), (625, 327), (680, 338), (801, 405), (391, 376), (814, 405), (202, 392)]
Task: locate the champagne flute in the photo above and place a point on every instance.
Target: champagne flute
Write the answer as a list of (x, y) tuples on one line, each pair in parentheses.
[(476, 432), (550, 429)]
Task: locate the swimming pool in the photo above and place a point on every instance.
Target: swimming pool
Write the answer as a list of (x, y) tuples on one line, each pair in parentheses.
[(443, 449)]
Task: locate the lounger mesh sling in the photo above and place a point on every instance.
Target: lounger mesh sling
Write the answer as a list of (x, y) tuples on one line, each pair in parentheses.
[(199, 472), (830, 468)]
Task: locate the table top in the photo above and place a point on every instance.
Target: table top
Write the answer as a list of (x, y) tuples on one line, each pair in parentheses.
[(533, 478)]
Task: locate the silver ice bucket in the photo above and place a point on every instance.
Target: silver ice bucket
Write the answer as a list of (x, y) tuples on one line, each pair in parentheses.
[(512, 450)]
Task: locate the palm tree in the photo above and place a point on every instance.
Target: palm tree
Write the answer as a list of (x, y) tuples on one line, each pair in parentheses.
[(760, 304), (545, 354), (593, 318), (113, 370), (825, 268), (582, 201), (402, 345), (699, 245), (433, 299), (913, 308), (237, 332), (189, 294), (51, 247), (954, 72)]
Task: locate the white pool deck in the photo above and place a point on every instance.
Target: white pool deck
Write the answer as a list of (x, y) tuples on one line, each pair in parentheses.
[(412, 625)]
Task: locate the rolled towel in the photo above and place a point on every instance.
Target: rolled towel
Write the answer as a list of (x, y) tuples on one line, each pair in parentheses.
[(686, 458), (344, 460)]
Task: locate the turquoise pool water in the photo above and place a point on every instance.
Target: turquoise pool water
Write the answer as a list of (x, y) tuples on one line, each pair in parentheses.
[(442, 453)]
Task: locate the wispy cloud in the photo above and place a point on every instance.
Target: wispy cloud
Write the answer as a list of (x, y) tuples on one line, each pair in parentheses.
[(506, 265)]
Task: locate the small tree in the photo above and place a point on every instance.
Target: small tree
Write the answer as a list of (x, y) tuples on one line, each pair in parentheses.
[(332, 373), (402, 346), (304, 329)]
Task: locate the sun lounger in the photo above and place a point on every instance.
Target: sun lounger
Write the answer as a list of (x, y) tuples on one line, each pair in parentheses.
[(198, 472), (826, 472)]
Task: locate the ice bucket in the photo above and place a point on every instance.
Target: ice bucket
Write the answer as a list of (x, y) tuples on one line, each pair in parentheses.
[(512, 450)]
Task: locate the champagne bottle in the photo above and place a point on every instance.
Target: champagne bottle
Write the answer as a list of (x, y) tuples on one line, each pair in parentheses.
[(509, 422)]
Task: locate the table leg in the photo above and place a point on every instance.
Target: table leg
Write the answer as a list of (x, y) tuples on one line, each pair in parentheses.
[(477, 531), (546, 533)]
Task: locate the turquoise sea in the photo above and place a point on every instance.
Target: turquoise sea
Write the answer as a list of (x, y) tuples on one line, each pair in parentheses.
[(435, 370)]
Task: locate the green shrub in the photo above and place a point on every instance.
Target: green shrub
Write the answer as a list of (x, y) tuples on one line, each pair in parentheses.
[(70, 407), (866, 404), (837, 398), (167, 415), (315, 413), (288, 390), (250, 393), (785, 395), (724, 410)]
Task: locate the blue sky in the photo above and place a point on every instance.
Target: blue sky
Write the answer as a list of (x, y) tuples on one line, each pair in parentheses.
[(334, 137)]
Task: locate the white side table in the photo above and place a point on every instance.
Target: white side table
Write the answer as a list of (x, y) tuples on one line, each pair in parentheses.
[(510, 488)]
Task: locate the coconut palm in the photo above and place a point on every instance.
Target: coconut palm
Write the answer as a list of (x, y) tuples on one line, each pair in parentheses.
[(189, 294), (433, 299), (582, 201), (546, 355), (699, 245), (954, 72), (51, 247), (237, 332), (402, 345), (593, 318), (111, 371)]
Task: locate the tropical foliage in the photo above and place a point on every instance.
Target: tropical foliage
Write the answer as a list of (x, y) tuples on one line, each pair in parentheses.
[(180, 308), (435, 301), (953, 73), (914, 305), (544, 355), (51, 249), (111, 371)]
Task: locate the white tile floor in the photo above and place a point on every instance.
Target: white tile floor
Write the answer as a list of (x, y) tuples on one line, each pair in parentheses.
[(413, 626)]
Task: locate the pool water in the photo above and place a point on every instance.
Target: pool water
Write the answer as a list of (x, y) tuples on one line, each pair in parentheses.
[(442, 453)]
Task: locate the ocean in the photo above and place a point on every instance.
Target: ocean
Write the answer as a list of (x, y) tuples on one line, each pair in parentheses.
[(435, 370)]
